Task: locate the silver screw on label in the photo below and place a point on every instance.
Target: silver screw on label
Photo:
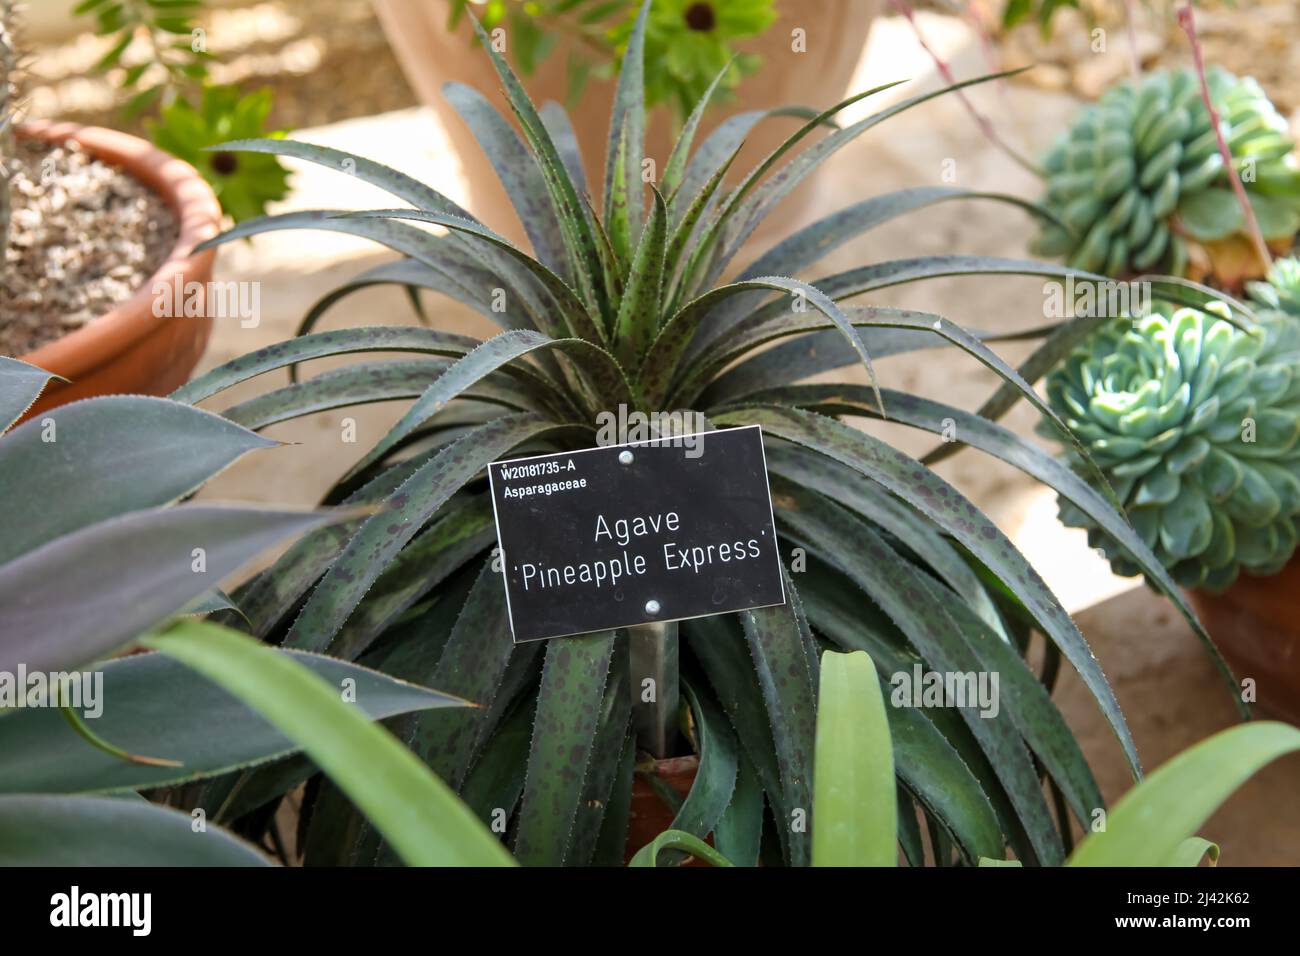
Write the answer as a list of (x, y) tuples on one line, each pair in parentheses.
[(625, 457), (652, 607)]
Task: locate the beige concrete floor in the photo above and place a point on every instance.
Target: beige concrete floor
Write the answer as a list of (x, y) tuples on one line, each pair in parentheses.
[(1161, 677), (1173, 698)]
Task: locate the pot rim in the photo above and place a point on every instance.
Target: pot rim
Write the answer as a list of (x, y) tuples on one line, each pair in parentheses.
[(198, 216)]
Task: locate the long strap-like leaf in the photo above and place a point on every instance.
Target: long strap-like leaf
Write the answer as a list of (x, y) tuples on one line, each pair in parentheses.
[(520, 175), (383, 535), (904, 595), (818, 240), (134, 451), (937, 759), (1148, 825), (500, 352), (577, 225), (568, 711), (776, 648), (661, 361), (365, 382), (627, 134), (934, 497), (412, 808), (508, 271), (1004, 444), (853, 782)]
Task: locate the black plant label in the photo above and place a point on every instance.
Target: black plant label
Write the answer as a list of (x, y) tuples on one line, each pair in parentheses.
[(620, 535)]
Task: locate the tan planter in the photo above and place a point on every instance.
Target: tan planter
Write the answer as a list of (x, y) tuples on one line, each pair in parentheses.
[(129, 350), (836, 32)]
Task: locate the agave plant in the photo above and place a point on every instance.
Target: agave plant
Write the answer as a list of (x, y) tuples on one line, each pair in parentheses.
[(94, 561), (627, 308), (1138, 180)]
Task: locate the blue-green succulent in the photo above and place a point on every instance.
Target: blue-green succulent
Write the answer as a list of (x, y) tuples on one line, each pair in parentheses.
[(1138, 176), (1194, 422), (1281, 293)]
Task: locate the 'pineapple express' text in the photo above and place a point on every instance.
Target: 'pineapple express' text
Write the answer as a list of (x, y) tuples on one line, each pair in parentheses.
[(623, 532)]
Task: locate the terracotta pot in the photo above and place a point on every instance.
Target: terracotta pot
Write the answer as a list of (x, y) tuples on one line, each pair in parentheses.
[(129, 350), (836, 31), (1256, 625), (649, 815)]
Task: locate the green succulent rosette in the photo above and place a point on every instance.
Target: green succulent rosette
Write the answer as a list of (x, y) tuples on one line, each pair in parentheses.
[(1139, 174), (1194, 423), (1281, 293)]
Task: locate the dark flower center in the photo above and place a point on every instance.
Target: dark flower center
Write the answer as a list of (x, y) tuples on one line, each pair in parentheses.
[(700, 16), (224, 163)]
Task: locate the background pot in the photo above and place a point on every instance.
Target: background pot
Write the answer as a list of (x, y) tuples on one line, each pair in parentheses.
[(649, 815), (1256, 625), (128, 349), (836, 31)]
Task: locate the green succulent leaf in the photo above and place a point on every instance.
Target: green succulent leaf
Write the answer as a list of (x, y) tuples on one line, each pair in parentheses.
[(577, 224), (428, 249), (1193, 417), (623, 186), (496, 353), (568, 709), (787, 686), (853, 785), (414, 810), (919, 611), (20, 385), (383, 535), (473, 663), (304, 348), (520, 175), (1004, 444), (715, 780), (677, 840), (675, 168), (59, 610), (638, 314), (46, 830), (1211, 213), (982, 538), (157, 706), (398, 184), (1150, 824), (367, 382), (578, 319), (147, 452)]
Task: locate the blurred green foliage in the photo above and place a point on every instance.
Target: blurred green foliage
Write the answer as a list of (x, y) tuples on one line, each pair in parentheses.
[(174, 71), (689, 41)]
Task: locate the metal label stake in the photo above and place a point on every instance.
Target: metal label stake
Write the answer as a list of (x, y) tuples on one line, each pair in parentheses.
[(653, 656)]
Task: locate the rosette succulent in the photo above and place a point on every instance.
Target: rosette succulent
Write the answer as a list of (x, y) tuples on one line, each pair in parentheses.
[(1194, 422), (1281, 293), (1138, 181)]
